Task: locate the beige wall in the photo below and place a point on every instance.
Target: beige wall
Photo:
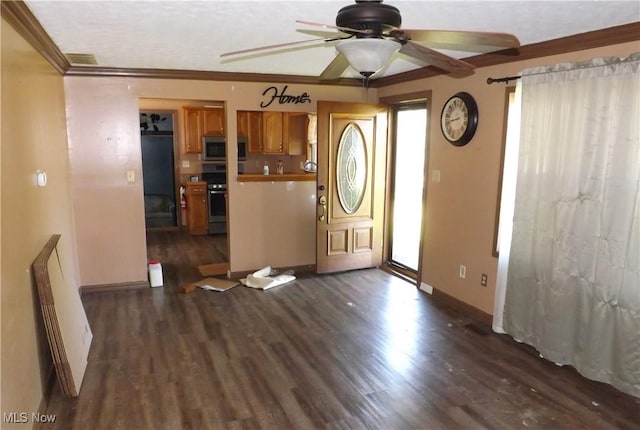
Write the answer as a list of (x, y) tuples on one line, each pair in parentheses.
[(264, 217), (273, 224), (459, 220), (33, 138), (105, 143), (104, 139)]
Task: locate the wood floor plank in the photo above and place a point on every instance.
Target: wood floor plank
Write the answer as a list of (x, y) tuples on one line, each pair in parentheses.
[(356, 350)]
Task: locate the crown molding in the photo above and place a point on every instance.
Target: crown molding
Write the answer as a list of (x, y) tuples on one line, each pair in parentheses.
[(20, 17), (205, 75), (578, 42)]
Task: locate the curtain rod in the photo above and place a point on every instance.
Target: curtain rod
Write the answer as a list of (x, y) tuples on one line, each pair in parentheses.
[(589, 64), (505, 79)]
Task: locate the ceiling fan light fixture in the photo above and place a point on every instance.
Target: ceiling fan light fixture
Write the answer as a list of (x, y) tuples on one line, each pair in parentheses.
[(367, 56)]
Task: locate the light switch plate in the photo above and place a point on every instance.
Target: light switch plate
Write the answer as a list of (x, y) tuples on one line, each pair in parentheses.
[(131, 176), (41, 178)]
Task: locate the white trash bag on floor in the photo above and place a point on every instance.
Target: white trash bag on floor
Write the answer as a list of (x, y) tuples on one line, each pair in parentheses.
[(266, 278)]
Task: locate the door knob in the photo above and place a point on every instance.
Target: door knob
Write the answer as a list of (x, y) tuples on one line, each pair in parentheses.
[(322, 201)]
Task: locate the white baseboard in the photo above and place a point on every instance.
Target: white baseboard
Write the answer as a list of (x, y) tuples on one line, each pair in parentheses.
[(426, 288)]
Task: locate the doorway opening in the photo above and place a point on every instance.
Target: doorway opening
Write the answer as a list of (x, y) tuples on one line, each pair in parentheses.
[(170, 241), (158, 169), (407, 187)]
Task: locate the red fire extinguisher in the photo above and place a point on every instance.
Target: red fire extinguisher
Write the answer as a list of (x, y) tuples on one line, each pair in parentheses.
[(183, 197)]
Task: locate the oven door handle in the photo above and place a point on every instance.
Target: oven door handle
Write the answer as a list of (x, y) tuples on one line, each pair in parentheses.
[(217, 191)]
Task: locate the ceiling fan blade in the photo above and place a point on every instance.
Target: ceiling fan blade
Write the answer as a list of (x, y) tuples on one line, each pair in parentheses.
[(343, 29), (279, 45), (435, 58), (320, 33), (472, 41), (335, 69)]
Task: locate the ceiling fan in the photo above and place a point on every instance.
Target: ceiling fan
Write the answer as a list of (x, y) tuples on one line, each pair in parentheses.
[(368, 35)]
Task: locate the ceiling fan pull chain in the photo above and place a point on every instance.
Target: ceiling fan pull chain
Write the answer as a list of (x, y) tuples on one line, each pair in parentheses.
[(365, 81)]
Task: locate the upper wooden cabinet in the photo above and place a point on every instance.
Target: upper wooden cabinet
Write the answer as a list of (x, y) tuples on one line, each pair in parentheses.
[(243, 123), (272, 133), (192, 131), (254, 133), (280, 133), (199, 122), (295, 129), (213, 122)]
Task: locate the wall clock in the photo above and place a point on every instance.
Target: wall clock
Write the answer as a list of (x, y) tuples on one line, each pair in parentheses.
[(459, 119)]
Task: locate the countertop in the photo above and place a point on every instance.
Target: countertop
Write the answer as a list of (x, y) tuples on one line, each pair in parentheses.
[(303, 176)]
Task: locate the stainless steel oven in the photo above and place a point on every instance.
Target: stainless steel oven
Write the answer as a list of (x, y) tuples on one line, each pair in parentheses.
[(215, 174), (217, 204)]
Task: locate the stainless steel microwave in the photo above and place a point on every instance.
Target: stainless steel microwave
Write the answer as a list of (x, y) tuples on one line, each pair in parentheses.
[(214, 148)]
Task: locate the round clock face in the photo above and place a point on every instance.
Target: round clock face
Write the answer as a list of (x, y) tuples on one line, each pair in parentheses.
[(459, 119)]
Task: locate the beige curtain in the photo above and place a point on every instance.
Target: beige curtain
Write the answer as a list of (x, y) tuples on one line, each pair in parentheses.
[(573, 277)]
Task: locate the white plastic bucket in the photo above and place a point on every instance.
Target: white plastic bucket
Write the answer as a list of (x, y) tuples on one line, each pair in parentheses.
[(155, 273)]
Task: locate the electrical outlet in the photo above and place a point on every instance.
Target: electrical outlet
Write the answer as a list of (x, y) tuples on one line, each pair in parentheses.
[(463, 271), (483, 280)]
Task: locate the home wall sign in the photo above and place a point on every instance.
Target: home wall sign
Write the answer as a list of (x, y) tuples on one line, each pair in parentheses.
[(272, 94)]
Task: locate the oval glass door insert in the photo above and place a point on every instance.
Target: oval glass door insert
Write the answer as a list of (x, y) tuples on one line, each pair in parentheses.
[(351, 168)]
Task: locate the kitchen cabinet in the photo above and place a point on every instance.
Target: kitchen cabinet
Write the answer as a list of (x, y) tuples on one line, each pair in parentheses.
[(199, 122), (213, 122), (254, 132), (279, 133), (295, 132), (192, 131), (242, 121), (272, 133), (197, 215)]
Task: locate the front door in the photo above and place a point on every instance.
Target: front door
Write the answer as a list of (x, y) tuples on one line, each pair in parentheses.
[(352, 148)]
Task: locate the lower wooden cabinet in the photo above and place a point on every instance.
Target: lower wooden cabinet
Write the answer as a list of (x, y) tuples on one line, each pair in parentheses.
[(197, 214)]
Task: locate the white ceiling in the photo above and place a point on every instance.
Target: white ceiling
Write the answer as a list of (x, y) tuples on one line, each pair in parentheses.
[(191, 35)]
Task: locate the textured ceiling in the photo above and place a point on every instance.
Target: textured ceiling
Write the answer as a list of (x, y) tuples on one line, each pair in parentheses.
[(191, 35)]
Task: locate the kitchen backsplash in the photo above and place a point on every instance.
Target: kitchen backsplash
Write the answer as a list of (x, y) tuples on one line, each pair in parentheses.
[(290, 163)]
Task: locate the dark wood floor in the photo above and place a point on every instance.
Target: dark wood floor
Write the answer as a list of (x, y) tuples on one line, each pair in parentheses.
[(359, 350), (177, 247), (181, 253)]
